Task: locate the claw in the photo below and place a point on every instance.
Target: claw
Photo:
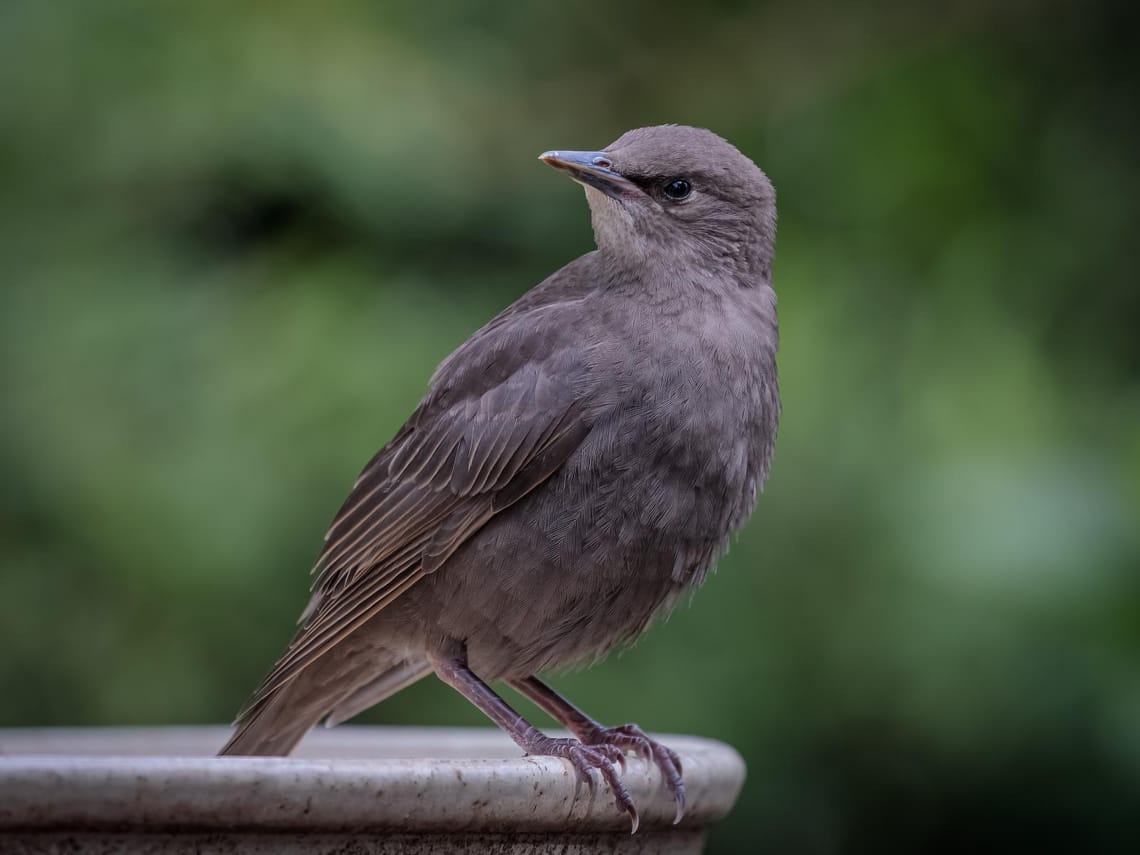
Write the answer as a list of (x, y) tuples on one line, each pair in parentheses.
[(605, 750), (585, 759), (630, 737), (621, 794), (680, 800)]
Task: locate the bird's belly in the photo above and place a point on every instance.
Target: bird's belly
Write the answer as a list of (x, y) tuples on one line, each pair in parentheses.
[(579, 566)]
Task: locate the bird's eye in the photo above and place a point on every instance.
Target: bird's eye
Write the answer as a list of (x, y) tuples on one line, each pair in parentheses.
[(677, 188)]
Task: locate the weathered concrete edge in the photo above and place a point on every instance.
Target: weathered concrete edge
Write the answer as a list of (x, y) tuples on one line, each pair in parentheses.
[(70, 788)]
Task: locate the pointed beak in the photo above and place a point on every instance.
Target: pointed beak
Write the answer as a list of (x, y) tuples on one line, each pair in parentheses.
[(592, 168)]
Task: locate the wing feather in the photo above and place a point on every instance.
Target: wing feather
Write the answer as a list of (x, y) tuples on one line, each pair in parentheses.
[(459, 460)]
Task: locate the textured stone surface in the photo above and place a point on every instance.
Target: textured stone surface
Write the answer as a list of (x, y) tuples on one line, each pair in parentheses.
[(353, 789), (103, 843)]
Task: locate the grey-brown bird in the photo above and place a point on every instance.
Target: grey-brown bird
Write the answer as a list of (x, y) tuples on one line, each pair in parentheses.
[(576, 466)]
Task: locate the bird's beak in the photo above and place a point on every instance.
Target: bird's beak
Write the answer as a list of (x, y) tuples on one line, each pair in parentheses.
[(592, 168)]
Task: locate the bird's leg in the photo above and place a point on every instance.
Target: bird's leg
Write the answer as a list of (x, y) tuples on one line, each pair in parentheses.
[(584, 758), (627, 737)]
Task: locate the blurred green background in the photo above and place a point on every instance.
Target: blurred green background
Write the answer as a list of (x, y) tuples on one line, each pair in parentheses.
[(237, 238)]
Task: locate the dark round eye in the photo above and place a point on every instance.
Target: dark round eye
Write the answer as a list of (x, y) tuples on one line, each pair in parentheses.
[(677, 188)]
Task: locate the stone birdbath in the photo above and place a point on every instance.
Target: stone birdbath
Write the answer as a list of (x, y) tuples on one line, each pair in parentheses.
[(348, 790)]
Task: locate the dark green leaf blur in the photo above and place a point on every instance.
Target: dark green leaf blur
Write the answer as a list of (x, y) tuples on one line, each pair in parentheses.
[(236, 238)]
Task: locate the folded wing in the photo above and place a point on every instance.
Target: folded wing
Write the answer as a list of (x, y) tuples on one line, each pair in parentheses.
[(479, 442)]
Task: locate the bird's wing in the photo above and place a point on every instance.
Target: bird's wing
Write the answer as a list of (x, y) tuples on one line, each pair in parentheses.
[(487, 434)]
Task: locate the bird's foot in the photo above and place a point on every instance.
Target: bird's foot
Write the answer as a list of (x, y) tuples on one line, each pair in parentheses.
[(630, 737), (605, 757)]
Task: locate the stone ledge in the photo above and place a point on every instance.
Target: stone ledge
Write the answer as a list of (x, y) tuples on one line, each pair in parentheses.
[(438, 789)]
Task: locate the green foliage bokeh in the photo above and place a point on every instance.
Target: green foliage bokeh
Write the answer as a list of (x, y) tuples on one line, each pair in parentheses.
[(237, 238)]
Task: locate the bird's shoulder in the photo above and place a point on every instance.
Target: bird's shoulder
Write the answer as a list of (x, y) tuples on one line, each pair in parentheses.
[(541, 330)]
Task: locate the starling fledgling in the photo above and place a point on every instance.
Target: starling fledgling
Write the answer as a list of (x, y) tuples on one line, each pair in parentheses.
[(576, 466)]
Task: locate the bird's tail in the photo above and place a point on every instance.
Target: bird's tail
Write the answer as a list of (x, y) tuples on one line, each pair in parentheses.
[(399, 676), (273, 725)]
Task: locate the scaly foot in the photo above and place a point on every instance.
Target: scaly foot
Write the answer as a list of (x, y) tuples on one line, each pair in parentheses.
[(603, 756), (630, 737)]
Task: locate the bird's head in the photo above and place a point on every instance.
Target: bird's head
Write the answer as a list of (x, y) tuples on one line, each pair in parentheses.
[(678, 195)]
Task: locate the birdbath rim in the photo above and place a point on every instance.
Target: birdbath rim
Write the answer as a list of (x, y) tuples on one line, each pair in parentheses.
[(354, 777)]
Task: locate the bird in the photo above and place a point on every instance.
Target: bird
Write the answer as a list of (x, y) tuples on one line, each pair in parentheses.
[(576, 467)]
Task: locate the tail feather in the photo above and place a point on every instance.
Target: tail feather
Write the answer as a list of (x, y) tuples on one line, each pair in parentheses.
[(274, 728), (387, 684), (339, 685)]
